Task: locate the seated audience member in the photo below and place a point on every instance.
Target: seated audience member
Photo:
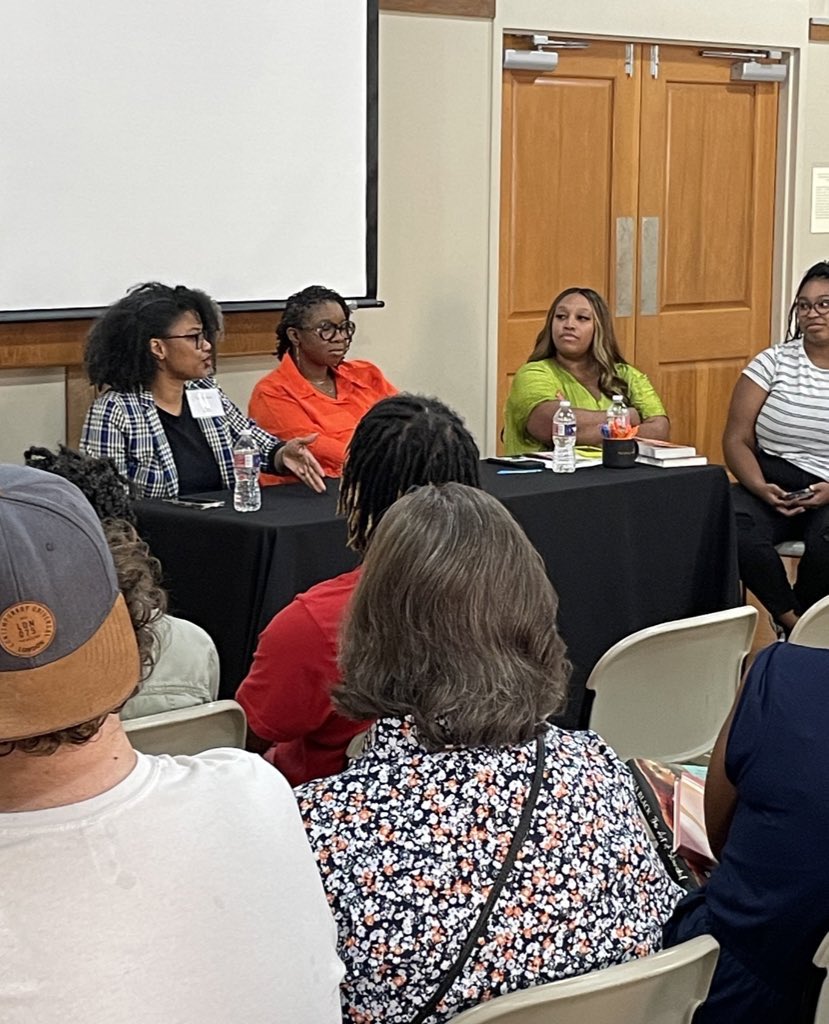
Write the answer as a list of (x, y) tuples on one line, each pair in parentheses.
[(135, 888), (451, 643), (315, 390), (767, 902), (776, 444), (184, 670), (403, 442), (163, 420), (576, 357)]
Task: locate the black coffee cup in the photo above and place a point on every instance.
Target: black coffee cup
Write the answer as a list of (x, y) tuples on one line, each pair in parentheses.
[(619, 453)]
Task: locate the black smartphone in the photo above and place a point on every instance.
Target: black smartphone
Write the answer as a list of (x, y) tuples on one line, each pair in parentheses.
[(807, 492), (517, 462)]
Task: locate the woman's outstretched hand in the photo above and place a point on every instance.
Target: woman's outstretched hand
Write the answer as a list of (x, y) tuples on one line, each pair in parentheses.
[(296, 458)]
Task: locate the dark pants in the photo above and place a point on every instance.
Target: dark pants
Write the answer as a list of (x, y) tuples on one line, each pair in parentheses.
[(738, 994), (760, 527)]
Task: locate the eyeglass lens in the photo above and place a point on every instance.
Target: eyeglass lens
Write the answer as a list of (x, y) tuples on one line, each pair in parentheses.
[(803, 306), (329, 331)]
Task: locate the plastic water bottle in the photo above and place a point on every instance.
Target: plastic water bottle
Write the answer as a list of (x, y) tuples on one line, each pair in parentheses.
[(618, 417), (247, 496), (564, 439)]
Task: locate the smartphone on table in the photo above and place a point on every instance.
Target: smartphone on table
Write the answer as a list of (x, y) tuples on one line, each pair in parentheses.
[(517, 462)]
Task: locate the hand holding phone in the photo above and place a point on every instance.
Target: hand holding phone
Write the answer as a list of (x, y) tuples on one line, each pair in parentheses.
[(806, 492)]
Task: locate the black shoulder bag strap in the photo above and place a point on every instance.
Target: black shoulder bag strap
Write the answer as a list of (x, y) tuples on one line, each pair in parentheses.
[(517, 842)]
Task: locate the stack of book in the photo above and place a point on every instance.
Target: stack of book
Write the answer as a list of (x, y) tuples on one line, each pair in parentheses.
[(667, 455)]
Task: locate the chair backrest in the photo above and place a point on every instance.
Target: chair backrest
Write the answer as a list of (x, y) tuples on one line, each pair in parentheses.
[(812, 628), (821, 959), (664, 988), (664, 692), (221, 723)]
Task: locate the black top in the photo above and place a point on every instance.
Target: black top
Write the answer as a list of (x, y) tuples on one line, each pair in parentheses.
[(197, 468)]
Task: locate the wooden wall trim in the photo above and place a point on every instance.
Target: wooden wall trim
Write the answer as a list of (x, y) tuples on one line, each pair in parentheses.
[(43, 343), (818, 31), (458, 8)]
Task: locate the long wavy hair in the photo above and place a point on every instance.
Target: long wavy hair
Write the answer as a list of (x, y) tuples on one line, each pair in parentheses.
[(453, 623), (819, 271), (605, 347)]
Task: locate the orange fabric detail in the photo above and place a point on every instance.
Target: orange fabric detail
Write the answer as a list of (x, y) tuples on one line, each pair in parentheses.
[(285, 404)]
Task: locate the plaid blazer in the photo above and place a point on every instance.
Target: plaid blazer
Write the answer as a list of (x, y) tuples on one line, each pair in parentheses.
[(125, 426)]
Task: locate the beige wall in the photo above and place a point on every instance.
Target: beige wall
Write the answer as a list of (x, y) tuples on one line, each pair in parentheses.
[(438, 261)]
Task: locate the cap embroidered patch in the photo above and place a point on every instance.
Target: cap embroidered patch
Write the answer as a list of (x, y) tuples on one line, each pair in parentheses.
[(26, 629)]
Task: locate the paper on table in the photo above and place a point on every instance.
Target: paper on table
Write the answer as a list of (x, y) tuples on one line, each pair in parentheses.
[(583, 461)]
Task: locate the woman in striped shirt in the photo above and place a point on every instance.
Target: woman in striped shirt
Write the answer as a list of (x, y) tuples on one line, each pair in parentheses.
[(776, 443)]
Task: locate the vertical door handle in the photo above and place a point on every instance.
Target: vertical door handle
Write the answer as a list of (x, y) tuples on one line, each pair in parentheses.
[(649, 271), (624, 266)]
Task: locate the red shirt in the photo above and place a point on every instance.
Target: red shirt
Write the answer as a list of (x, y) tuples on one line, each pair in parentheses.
[(286, 693), (287, 405)]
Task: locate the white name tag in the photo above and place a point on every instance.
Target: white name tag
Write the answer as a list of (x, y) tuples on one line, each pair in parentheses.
[(205, 403)]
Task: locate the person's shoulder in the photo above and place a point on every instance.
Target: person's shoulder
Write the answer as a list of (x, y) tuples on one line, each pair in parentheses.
[(361, 369), (339, 588), (582, 749), (172, 629), (274, 381), (537, 369), (225, 771), (113, 399), (629, 373)]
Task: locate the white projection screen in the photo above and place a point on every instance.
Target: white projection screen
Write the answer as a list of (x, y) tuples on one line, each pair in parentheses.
[(227, 146)]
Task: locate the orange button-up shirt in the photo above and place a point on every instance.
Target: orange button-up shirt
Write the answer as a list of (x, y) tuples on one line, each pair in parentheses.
[(287, 405)]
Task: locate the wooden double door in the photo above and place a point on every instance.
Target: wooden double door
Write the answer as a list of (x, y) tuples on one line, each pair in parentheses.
[(647, 174)]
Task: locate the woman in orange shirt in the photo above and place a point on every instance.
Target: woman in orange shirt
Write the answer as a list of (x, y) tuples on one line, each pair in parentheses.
[(314, 389)]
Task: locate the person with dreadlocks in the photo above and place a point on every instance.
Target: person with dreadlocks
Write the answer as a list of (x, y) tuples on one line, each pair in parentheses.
[(405, 441), (775, 444), (314, 389), (576, 357), (180, 663), (162, 418)]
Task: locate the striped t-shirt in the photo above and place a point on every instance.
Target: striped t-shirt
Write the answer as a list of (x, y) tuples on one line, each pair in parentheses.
[(793, 422)]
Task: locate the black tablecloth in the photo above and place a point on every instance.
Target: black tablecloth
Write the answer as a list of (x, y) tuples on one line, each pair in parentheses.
[(625, 549)]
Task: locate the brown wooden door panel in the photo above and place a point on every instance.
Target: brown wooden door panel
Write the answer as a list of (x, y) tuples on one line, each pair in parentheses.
[(707, 161), (690, 156), (689, 390), (569, 152)]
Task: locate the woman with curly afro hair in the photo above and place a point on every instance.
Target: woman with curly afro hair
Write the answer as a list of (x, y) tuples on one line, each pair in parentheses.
[(161, 417)]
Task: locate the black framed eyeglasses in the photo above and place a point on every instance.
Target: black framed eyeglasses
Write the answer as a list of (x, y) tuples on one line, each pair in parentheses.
[(198, 339), (328, 331), (820, 306)]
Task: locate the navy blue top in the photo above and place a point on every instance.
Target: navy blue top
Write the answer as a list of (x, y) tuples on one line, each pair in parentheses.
[(767, 903)]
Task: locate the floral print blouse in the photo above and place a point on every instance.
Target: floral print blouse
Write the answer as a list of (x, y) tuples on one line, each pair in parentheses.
[(409, 842)]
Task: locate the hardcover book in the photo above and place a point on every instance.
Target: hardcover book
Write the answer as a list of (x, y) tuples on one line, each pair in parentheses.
[(654, 784), (664, 449)]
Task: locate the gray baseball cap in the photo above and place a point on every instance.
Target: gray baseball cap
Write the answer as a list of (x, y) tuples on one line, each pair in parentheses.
[(68, 652)]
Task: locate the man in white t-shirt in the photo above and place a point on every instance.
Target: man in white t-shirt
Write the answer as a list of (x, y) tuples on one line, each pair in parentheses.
[(134, 889)]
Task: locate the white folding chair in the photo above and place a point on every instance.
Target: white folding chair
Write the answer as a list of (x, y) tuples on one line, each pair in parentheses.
[(664, 988), (221, 723), (821, 959), (812, 628), (790, 548), (664, 692)]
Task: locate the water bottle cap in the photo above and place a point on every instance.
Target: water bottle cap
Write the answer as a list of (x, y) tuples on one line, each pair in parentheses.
[(564, 404), (618, 398)]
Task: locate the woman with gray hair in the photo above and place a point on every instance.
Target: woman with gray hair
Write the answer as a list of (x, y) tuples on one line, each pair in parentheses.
[(473, 849)]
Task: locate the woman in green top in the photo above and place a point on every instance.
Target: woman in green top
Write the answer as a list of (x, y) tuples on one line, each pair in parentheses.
[(576, 356)]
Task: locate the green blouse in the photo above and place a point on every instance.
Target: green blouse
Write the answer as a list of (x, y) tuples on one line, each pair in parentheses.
[(545, 380)]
